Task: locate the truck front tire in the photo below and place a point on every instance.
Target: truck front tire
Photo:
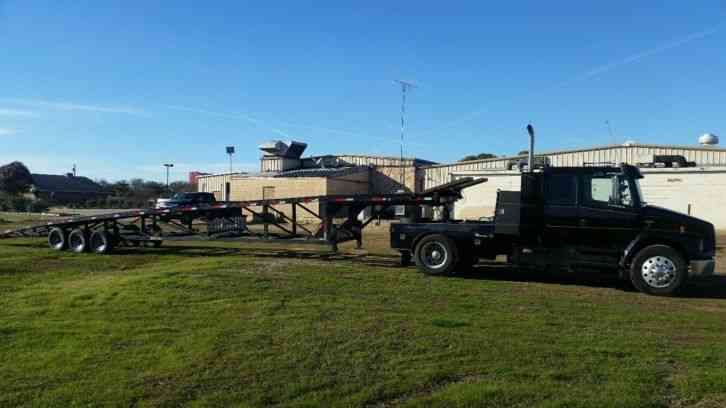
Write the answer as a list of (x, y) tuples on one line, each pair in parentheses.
[(658, 270), (436, 255)]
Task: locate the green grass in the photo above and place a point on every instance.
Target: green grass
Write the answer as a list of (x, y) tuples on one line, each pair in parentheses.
[(220, 326)]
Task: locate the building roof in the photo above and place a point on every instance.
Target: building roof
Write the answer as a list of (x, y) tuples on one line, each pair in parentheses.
[(65, 184), (628, 146), (414, 160), (321, 172)]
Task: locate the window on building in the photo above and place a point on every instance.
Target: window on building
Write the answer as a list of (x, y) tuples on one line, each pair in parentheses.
[(561, 189)]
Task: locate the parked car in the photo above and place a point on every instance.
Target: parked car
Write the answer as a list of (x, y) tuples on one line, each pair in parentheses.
[(185, 200)]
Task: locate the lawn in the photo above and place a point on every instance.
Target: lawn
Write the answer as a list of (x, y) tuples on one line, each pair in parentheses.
[(217, 325)]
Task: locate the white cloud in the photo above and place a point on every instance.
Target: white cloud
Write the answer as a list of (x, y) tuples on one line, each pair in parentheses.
[(15, 112), (72, 106), (7, 132), (260, 124)]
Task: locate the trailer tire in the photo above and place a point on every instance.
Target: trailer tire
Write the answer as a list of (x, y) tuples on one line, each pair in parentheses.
[(77, 241), (658, 270), (100, 242), (58, 239), (436, 255)]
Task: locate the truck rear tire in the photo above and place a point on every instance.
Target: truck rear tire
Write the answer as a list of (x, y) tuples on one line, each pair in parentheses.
[(658, 270), (436, 255), (58, 239)]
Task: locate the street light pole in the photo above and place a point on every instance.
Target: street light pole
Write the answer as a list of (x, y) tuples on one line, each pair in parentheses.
[(168, 166), (230, 152)]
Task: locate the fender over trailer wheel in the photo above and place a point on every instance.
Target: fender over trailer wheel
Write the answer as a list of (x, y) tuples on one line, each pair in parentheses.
[(436, 255), (57, 239), (77, 241), (100, 242)]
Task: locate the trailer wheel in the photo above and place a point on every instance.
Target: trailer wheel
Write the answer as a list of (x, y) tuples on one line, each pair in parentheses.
[(436, 255), (57, 239), (100, 242), (77, 241), (658, 270)]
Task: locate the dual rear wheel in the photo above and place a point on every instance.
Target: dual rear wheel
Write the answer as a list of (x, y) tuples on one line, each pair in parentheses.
[(439, 255)]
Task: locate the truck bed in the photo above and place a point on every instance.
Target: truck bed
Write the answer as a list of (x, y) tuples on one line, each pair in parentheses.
[(405, 235)]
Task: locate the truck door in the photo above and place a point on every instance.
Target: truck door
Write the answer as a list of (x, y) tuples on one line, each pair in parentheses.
[(608, 217), (560, 210)]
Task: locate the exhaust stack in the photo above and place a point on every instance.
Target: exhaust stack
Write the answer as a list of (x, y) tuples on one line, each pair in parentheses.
[(530, 158)]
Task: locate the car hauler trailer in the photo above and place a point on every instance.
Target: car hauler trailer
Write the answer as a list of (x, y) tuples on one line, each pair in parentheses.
[(225, 221), (577, 218)]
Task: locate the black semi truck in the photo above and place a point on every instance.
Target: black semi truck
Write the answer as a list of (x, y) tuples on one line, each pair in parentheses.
[(576, 218)]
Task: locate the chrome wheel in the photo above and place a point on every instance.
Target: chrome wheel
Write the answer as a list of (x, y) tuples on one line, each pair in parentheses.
[(57, 239), (100, 242), (77, 241), (434, 255), (659, 271)]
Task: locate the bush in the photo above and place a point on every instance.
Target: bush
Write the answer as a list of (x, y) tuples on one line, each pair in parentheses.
[(38, 206), (19, 203)]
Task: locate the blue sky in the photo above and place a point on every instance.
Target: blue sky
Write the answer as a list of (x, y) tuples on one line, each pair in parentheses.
[(121, 87)]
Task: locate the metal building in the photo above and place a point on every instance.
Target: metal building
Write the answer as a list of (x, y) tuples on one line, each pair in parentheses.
[(695, 189)]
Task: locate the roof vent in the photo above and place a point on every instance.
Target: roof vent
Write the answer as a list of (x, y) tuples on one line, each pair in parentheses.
[(708, 139), (290, 149)]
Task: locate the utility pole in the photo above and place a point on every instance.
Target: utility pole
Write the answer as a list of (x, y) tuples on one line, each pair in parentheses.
[(168, 166), (405, 86)]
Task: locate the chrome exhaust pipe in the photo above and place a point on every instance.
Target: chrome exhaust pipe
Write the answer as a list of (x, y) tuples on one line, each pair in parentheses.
[(530, 158)]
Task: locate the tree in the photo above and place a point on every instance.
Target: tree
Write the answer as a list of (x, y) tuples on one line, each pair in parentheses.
[(523, 153), (15, 178), (479, 156), (121, 189), (182, 187)]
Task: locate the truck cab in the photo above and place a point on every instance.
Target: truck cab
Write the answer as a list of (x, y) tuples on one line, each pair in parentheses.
[(576, 218)]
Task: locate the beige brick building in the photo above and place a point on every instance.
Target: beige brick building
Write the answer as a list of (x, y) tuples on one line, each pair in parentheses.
[(284, 175)]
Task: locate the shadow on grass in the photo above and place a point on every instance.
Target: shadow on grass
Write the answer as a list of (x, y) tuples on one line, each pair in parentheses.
[(696, 288), (704, 288)]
